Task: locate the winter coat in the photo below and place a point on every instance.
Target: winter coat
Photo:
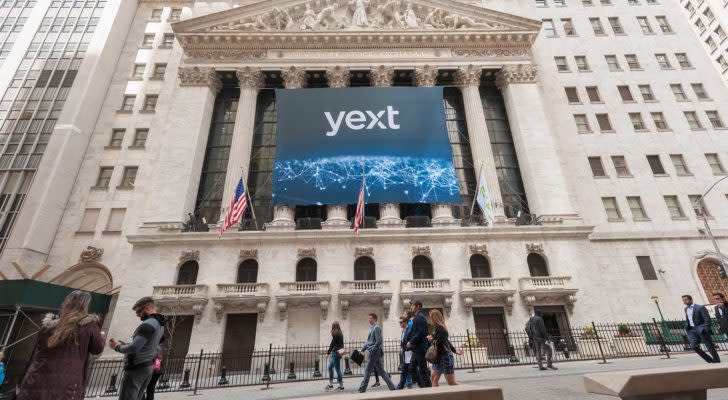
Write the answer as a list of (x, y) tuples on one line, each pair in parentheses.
[(60, 373)]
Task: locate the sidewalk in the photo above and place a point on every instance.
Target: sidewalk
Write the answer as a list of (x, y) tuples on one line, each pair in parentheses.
[(518, 383)]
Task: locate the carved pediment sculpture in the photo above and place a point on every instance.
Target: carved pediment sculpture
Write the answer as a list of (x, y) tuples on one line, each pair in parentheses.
[(189, 255), (91, 254)]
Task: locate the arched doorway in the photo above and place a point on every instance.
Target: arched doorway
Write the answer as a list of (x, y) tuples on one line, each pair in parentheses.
[(709, 275), (88, 275)]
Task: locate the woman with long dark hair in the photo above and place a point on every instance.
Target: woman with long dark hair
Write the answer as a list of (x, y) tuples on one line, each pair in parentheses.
[(446, 364), (336, 350), (58, 368)]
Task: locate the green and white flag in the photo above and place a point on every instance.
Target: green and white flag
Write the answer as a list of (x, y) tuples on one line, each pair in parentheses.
[(483, 199)]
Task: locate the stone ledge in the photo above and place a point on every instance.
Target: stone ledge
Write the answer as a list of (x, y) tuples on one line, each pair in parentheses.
[(459, 392)]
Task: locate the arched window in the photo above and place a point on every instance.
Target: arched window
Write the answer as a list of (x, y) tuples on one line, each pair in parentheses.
[(248, 271), (479, 266), (537, 265), (364, 269), (306, 270), (422, 268), (188, 273)]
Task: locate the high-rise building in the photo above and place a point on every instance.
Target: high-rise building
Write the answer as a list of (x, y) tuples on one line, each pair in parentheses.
[(709, 19), (598, 125)]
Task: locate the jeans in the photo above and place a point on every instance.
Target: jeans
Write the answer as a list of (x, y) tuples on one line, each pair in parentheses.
[(539, 345), (335, 363), (697, 336), (405, 376), (419, 369), (134, 383), (152, 385), (375, 364)]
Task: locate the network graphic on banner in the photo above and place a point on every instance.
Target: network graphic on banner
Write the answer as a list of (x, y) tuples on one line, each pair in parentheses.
[(325, 135)]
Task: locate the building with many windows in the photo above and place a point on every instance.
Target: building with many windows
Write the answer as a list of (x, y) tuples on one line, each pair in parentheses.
[(599, 124)]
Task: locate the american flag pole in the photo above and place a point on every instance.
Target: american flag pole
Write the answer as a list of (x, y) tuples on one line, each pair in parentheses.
[(247, 193), (364, 188)]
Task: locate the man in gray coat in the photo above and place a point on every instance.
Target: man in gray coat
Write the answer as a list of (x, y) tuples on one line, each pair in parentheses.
[(540, 338), (141, 352), (374, 363)]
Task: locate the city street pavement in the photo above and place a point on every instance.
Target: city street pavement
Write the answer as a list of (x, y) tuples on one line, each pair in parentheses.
[(518, 383)]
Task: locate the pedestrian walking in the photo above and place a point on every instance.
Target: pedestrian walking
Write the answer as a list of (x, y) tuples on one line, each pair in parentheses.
[(418, 344), (405, 357), (336, 351), (156, 370), (445, 365), (540, 340), (721, 312), (57, 370), (140, 353), (374, 363), (697, 325)]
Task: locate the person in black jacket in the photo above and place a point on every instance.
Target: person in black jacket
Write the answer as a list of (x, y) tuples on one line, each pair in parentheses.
[(405, 376), (446, 363), (721, 312), (698, 328), (418, 344), (539, 338), (336, 349)]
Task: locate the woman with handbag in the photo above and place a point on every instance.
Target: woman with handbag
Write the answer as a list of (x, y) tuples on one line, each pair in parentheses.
[(445, 361), (336, 351), (58, 368)]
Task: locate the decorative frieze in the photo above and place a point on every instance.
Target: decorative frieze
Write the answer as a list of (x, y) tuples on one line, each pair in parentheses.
[(381, 76), (248, 254), (293, 77), (520, 73), (534, 247), (189, 255), (338, 77), (478, 249), (307, 253), (425, 76), (421, 251), (91, 254), (250, 77), (226, 54), (492, 52), (199, 76), (364, 252), (468, 76)]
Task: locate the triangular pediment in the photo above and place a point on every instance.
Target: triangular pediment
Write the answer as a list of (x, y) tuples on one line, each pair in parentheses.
[(301, 16)]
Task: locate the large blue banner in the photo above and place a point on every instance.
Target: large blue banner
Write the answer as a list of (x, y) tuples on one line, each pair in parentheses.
[(399, 134)]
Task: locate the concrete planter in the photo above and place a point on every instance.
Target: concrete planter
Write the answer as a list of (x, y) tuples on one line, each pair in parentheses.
[(589, 348), (630, 345)]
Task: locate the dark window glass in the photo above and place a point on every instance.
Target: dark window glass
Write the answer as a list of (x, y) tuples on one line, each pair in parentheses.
[(306, 270), (248, 272), (364, 269), (262, 155), (537, 265), (646, 267), (462, 158), (422, 268), (188, 273), (479, 266)]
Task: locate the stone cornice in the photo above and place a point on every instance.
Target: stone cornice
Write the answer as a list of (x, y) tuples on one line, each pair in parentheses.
[(199, 76), (250, 77), (520, 73)]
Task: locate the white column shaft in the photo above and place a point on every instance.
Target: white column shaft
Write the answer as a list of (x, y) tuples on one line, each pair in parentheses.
[(241, 144)]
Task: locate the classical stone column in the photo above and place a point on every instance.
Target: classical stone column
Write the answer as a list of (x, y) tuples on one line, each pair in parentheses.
[(468, 78), (381, 76), (293, 77), (336, 214), (543, 179), (178, 170), (425, 76), (250, 81)]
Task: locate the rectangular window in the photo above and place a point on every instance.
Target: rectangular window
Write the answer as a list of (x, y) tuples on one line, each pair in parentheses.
[(633, 62), (720, 33), (659, 119), (593, 94), (663, 61), (138, 71), (616, 25), (116, 220), (140, 137), (636, 208), (582, 124), (150, 102), (156, 14), (700, 25), (693, 120), (714, 119), (656, 165), (581, 64), (678, 162), (561, 64), (568, 27), (117, 136), (637, 122), (714, 162), (663, 24), (606, 2), (620, 165), (596, 24), (175, 14), (572, 95), (159, 70), (646, 91), (560, 3), (104, 177), (168, 40), (88, 223), (699, 91), (612, 209), (541, 3), (723, 63), (612, 63), (604, 124), (678, 91), (645, 25), (711, 44), (683, 60), (587, 2), (148, 40), (625, 94), (708, 15), (549, 28), (595, 163), (673, 207), (129, 177), (698, 205), (648, 271), (128, 103)]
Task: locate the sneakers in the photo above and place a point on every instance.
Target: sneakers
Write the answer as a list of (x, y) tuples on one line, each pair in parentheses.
[(552, 367), (376, 384), (329, 387), (542, 368), (340, 388)]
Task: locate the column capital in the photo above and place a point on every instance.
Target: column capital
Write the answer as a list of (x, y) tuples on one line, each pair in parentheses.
[(199, 76), (426, 76), (468, 76), (519, 73), (381, 76), (338, 77), (250, 77), (293, 77)]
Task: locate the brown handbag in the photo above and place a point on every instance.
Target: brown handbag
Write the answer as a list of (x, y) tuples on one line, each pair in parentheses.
[(432, 355)]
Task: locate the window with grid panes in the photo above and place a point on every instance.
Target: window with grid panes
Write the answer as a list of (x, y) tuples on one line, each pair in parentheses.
[(698, 205), (659, 119), (104, 177), (611, 208), (117, 137), (646, 92), (116, 220), (560, 2), (150, 102), (129, 177), (678, 92), (167, 40), (138, 71), (606, 2), (663, 61), (587, 2), (709, 15), (656, 164), (632, 62), (572, 95), (714, 119), (88, 222), (637, 122), (683, 60), (604, 124), (723, 63), (673, 207), (596, 24), (616, 25), (625, 94), (549, 28), (636, 208), (593, 94), (646, 268), (140, 137), (581, 64), (612, 63), (175, 14), (541, 3), (128, 103), (645, 25), (693, 120), (148, 40), (663, 24), (711, 43), (561, 64), (699, 91), (156, 14), (568, 27), (159, 70), (620, 166), (700, 25), (582, 124), (678, 162), (720, 33), (595, 163)]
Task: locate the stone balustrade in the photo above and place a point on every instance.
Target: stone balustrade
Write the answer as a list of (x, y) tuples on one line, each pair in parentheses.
[(241, 297), (545, 282), (304, 294), (181, 299), (433, 293), (544, 290), (375, 293), (242, 289), (365, 287), (487, 292)]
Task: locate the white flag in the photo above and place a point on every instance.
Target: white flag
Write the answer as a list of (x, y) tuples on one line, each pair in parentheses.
[(483, 199)]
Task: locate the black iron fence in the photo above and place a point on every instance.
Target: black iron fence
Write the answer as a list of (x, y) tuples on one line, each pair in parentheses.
[(479, 348)]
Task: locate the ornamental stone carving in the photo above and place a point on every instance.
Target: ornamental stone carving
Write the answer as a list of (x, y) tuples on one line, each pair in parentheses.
[(381, 76), (468, 76), (491, 52), (248, 253), (421, 251), (293, 77), (478, 249), (534, 247), (364, 252), (199, 76), (223, 54), (250, 77), (520, 73), (91, 254), (307, 253), (338, 77), (189, 255), (425, 76)]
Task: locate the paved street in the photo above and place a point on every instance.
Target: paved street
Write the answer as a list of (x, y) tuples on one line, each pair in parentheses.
[(518, 383)]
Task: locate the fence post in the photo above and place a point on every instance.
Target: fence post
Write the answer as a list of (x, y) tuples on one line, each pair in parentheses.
[(470, 350), (223, 377), (266, 371), (291, 371), (197, 375), (599, 343), (347, 370), (112, 385), (663, 345), (317, 369), (185, 380)]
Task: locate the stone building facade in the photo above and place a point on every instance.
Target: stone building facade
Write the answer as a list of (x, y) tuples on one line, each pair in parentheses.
[(596, 122)]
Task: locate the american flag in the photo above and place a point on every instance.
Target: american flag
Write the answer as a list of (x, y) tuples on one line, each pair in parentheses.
[(359, 216), (238, 204)]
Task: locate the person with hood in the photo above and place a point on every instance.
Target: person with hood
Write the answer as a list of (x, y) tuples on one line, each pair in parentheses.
[(57, 370), (141, 352)]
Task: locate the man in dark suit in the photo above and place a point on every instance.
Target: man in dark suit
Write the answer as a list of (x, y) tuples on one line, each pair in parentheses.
[(539, 338), (721, 312), (405, 377), (697, 325), (418, 344)]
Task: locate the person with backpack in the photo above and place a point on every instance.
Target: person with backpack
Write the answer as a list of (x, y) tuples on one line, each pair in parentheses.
[(540, 340)]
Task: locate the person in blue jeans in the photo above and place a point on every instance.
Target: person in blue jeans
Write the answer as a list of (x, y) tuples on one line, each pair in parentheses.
[(405, 376), (336, 348), (374, 363)]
